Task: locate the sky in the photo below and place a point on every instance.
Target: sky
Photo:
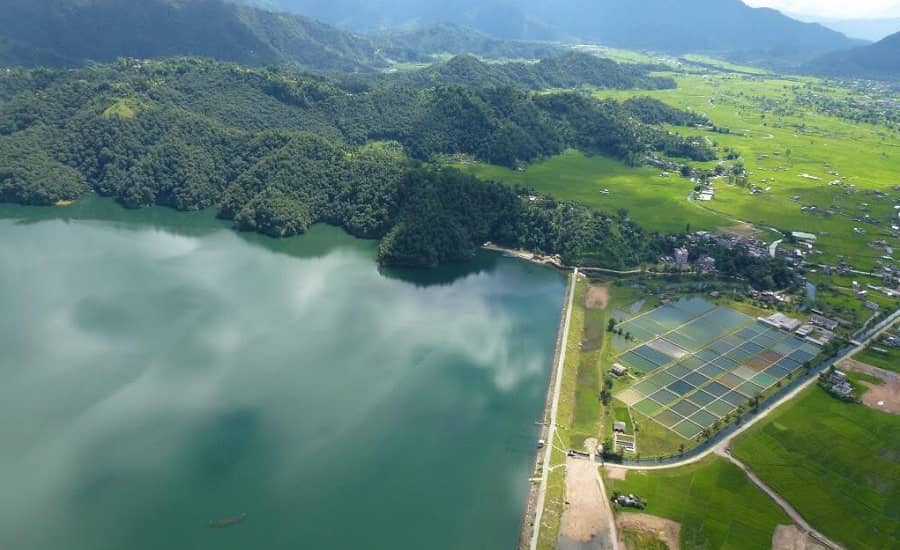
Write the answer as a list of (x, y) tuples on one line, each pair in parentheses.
[(834, 9)]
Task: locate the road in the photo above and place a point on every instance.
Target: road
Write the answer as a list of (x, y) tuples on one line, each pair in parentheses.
[(554, 407), (785, 505)]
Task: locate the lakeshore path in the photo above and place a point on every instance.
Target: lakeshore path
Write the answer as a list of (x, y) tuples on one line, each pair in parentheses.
[(554, 407)]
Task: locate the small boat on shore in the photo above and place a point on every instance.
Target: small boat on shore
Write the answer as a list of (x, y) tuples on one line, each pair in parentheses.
[(228, 522)]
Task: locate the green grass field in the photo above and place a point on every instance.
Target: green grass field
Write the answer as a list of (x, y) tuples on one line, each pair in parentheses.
[(837, 463), (574, 176), (887, 361), (714, 501), (784, 143)]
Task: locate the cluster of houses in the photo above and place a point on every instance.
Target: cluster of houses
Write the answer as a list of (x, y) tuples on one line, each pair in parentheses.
[(837, 384), (681, 259), (819, 330)]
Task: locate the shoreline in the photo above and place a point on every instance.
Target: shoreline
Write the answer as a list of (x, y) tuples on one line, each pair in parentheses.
[(529, 528)]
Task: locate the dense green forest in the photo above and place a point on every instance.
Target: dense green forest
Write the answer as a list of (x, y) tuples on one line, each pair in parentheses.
[(276, 150), (569, 70)]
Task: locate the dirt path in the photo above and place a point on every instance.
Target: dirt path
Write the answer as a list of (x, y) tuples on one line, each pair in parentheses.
[(785, 505), (884, 397), (666, 530), (586, 518), (789, 537)]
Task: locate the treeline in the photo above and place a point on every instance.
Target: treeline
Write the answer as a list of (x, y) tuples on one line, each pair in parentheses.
[(276, 151)]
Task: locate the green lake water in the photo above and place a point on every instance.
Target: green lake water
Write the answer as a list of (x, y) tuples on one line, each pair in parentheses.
[(160, 370)]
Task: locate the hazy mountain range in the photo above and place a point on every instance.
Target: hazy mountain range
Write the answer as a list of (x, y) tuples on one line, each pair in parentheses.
[(64, 33), (677, 26), (880, 60)]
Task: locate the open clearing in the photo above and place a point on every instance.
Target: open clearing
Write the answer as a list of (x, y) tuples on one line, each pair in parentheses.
[(837, 463), (656, 528), (713, 500), (587, 514), (789, 537), (884, 397), (597, 297)]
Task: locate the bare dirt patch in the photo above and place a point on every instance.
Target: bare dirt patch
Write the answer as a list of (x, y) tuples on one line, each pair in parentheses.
[(884, 397), (597, 297), (587, 513), (790, 537), (666, 530), (616, 473)]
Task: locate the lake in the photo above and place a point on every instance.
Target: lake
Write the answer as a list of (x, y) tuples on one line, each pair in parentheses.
[(160, 371)]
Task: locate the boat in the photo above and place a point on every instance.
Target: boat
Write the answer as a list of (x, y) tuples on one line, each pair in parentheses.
[(228, 522)]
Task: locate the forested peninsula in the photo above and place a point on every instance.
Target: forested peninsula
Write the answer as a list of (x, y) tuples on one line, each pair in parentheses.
[(276, 150)]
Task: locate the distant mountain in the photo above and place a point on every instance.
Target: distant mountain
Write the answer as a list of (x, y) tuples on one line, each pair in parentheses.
[(73, 32), (880, 61), (872, 30), (677, 26)]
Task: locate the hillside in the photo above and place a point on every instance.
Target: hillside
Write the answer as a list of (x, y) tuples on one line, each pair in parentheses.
[(880, 61), (66, 33), (569, 70), (276, 150), (725, 26), (419, 44)]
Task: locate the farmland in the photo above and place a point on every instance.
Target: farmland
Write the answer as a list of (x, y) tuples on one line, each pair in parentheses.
[(715, 503), (837, 464), (642, 191), (815, 172)]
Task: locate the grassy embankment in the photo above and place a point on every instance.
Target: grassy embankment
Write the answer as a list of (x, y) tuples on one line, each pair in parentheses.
[(713, 500), (836, 463)]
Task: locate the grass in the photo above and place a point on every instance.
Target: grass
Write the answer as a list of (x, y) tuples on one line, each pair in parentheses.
[(654, 439), (573, 176), (887, 361), (125, 108), (838, 464), (779, 142), (713, 500), (554, 503)]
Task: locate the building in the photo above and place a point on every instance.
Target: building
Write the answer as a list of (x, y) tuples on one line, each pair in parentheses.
[(681, 257), (707, 263), (780, 321), (618, 369), (872, 306), (824, 322), (619, 427), (805, 330)]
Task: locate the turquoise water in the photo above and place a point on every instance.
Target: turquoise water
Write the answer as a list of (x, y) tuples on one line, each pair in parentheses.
[(161, 371)]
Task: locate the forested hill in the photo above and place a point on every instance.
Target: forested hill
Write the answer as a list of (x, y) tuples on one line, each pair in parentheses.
[(422, 43), (276, 150), (569, 70), (722, 26), (67, 33), (880, 61)]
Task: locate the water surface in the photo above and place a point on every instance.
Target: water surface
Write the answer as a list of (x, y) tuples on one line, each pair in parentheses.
[(160, 370)]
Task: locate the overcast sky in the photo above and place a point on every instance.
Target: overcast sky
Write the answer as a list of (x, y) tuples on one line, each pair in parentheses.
[(837, 9)]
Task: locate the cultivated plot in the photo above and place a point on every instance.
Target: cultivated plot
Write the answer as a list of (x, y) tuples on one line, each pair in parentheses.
[(700, 362)]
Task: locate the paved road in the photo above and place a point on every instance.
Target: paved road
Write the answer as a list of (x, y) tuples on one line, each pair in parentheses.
[(554, 407), (785, 505)]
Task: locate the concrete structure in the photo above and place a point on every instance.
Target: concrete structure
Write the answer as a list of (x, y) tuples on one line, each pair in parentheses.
[(780, 321)]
